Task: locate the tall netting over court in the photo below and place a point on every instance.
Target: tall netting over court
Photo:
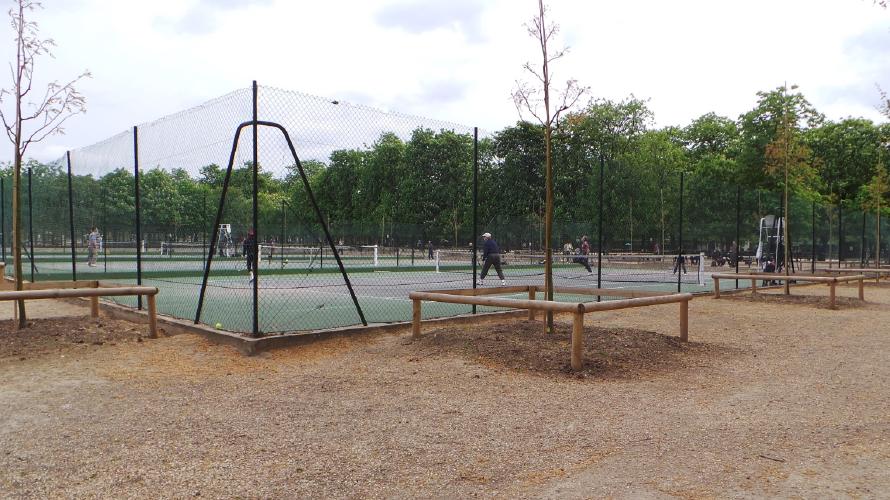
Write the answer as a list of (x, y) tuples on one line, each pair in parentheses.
[(398, 203)]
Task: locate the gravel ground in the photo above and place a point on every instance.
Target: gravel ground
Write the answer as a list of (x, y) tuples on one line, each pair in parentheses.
[(773, 397)]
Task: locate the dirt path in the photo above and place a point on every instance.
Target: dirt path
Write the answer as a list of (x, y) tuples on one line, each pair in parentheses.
[(772, 398)]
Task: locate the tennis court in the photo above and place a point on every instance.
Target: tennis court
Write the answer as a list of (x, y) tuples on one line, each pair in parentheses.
[(304, 290)]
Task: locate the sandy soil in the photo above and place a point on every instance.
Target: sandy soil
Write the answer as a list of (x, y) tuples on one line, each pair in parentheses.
[(773, 397)]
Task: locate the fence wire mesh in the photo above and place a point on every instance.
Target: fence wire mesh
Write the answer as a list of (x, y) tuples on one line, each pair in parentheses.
[(396, 195)]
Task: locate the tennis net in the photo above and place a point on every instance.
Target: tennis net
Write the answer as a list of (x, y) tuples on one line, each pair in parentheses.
[(640, 268)]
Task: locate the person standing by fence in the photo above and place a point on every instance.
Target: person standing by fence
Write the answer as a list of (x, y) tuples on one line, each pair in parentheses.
[(248, 248), (93, 246), (491, 256)]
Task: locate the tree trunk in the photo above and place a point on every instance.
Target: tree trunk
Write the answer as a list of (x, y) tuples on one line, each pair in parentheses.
[(548, 170), (17, 233)]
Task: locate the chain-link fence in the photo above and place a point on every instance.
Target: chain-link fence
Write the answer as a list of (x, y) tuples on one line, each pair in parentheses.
[(350, 208)]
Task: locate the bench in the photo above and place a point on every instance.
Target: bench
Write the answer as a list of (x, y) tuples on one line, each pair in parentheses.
[(90, 289), (832, 281), (478, 297)]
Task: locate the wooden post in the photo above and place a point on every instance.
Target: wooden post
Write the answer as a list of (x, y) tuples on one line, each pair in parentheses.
[(531, 296), (577, 340), (753, 286), (716, 288), (152, 316), (94, 307), (684, 321), (861, 289), (832, 284), (94, 303), (415, 319)]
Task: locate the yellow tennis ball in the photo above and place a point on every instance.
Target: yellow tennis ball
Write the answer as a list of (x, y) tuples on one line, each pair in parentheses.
[(218, 326)]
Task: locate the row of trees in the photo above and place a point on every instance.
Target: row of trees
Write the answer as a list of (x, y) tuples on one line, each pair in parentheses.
[(401, 191)]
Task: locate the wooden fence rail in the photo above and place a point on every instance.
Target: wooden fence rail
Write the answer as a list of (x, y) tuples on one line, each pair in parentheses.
[(831, 281), (480, 297)]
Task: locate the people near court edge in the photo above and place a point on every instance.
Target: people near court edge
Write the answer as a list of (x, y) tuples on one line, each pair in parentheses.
[(491, 256), (429, 245), (680, 263), (583, 257), (248, 248), (769, 267), (93, 246)]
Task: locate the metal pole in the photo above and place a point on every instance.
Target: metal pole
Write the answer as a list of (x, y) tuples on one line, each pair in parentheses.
[(813, 262), (256, 235), (3, 219), (214, 236), (599, 230), (840, 233), (281, 240), (679, 263), (204, 227), (738, 228), (862, 244), (475, 202), (71, 218), (138, 213), (31, 223), (105, 225)]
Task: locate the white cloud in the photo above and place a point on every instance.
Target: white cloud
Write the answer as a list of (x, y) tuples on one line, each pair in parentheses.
[(458, 60)]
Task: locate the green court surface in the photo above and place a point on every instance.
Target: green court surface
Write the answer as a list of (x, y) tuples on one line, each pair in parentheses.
[(304, 295)]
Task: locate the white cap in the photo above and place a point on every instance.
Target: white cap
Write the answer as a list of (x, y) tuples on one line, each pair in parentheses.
[(486, 235)]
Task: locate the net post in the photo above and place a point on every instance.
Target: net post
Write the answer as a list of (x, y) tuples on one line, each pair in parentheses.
[(375, 256), (701, 269), (437, 261)]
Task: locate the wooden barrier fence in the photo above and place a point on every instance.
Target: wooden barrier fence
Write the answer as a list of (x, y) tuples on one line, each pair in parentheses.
[(479, 297), (832, 282), (93, 293)]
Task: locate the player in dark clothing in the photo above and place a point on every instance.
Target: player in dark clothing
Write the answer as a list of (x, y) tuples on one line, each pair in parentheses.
[(584, 257), (249, 249), (491, 256)]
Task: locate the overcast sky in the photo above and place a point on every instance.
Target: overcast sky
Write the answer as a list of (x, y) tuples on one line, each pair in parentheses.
[(455, 60)]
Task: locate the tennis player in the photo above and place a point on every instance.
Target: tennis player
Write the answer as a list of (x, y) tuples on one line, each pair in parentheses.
[(491, 256)]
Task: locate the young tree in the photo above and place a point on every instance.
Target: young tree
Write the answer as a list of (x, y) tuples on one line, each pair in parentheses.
[(788, 156), (536, 100), (873, 199), (32, 117)]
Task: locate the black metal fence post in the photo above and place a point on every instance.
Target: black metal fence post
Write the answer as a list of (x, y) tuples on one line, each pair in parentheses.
[(204, 232), (3, 219), (599, 230), (105, 228), (680, 263), (840, 233), (283, 230), (862, 243), (71, 218), (813, 262), (138, 214), (738, 228), (256, 232), (31, 223), (475, 202)]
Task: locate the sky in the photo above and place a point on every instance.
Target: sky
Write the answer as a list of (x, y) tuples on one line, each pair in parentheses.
[(454, 60)]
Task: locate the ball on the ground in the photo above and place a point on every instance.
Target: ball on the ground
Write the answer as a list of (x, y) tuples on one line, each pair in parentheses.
[(218, 326)]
